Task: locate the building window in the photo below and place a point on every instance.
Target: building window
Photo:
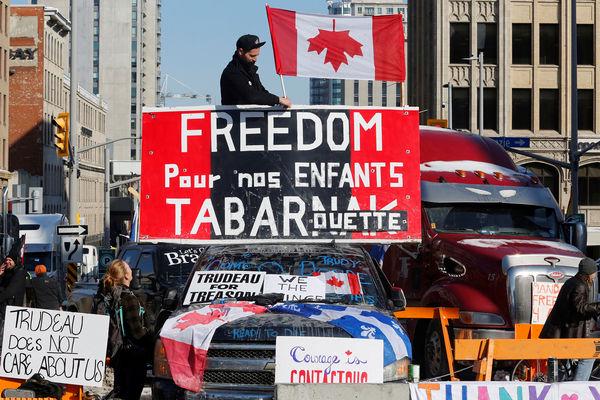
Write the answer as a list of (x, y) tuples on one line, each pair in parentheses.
[(461, 110), (356, 94), (589, 185), (549, 110), (359, 10), (585, 109), (379, 11), (384, 85), (370, 93), (390, 10), (487, 42), (521, 44), (549, 44), (521, 109), (369, 10), (490, 109), (585, 44), (460, 43), (398, 93), (548, 176)]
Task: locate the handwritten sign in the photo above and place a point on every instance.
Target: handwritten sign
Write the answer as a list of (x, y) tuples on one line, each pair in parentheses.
[(64, 347), (543, 297), (328, 360), (504, 390), (262, 174), (295, 287), (207, 286)]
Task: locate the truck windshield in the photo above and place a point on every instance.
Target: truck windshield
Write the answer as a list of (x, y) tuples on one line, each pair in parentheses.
[(338, 272), (493, 219)]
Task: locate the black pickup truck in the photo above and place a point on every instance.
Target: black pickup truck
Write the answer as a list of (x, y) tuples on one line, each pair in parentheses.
[(241, 357), (161, 270)]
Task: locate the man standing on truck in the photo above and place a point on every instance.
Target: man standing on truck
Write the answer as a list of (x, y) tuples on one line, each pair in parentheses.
[(240, 83), (572, 310)]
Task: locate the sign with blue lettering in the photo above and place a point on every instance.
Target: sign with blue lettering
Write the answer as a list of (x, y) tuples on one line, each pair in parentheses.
[(513, 141)]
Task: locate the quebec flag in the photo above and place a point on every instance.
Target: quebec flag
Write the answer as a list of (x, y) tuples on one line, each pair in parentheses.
[(360, 324)]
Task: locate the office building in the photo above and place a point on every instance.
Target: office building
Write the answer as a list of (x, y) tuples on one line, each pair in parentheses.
[(526, 48)]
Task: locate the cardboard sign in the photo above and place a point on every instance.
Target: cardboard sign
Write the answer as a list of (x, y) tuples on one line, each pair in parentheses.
[(543, 297), (207, 286), (328, 360), (295, 287), (64, 347), (267, 175)]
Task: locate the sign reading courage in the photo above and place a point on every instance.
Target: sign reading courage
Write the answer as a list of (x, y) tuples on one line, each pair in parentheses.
[(263, 174)]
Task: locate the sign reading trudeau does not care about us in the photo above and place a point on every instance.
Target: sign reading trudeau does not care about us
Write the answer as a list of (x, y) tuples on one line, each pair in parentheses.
[(239, 174), (64, 347)]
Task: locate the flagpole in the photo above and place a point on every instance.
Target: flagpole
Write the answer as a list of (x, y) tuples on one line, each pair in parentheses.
[(282, 85)]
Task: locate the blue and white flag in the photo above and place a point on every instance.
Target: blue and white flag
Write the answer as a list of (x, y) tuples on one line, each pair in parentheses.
[(378, 252), (359, 323)]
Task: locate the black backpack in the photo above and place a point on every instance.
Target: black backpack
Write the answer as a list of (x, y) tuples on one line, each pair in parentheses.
[(106, 304)]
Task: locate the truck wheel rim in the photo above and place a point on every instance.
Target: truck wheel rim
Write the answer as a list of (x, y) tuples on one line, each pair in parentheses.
[(434, 353)]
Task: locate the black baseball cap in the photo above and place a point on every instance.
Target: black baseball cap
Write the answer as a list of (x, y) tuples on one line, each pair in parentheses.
[(248, 42)]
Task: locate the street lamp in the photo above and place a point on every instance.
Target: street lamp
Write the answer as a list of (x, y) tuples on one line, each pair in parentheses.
[(479, 60)]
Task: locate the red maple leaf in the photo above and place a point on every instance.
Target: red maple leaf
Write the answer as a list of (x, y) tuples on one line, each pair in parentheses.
[(333, 281), (195, 318), (244, 305), (338, 45)]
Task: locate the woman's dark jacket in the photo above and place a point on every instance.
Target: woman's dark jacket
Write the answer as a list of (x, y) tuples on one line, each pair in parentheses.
[(571, 311)]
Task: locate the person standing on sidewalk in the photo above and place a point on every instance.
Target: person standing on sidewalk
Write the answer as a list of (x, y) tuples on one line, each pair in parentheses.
[(44, 290)]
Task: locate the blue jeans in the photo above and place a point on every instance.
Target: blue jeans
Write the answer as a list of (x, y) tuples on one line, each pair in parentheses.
[(584, 369)]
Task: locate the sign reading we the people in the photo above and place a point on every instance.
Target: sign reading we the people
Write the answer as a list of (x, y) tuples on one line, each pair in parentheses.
[(270, 175), (64, 347)]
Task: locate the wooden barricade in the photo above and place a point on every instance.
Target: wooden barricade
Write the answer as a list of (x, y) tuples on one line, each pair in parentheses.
[(72, 392)]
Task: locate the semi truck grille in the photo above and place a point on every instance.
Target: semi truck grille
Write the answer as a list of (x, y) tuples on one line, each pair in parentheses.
[(241, 353), (240, 377), (522, 295)]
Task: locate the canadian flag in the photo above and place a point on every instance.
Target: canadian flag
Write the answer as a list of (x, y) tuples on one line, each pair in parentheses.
[(319, 46), (340, 283), (187, 337)]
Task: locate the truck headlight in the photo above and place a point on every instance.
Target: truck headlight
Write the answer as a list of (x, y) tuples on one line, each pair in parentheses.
[(396, 371), (480, 318), (161, 365)]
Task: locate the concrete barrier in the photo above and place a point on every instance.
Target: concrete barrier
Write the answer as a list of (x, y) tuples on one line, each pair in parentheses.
[(386, 391)]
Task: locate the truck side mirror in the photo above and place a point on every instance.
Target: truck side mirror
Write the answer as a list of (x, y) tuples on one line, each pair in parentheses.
[(397, 298), (136, 278), (170, 300), (575, 233)]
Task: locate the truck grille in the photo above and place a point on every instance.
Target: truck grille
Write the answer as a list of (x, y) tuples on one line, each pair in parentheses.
[(241, 353), (240, 377), (240, 364), (521, 300)]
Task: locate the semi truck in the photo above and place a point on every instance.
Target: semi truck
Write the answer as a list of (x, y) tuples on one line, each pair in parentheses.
[(494, 244)]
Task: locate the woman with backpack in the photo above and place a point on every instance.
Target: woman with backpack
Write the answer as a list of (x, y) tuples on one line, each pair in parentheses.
[(129, 362)]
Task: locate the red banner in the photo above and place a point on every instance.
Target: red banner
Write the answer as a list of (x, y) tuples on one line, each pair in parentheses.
[(264, 174)]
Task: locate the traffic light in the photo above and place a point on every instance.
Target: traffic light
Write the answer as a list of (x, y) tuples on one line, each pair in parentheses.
[(61, 122)]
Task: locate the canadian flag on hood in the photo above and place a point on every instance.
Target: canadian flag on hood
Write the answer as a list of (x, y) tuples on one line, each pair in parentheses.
[(338, 47), (187, 337)]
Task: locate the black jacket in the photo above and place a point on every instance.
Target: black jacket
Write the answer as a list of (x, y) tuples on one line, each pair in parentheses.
[(12, 287), (571, 311), (45, 292), (240, 84)]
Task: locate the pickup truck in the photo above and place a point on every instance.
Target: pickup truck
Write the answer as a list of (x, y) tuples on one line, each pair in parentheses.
[(241, 356)]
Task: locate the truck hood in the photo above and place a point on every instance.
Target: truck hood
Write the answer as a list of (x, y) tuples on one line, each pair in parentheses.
[(266, 327), (495, 248)]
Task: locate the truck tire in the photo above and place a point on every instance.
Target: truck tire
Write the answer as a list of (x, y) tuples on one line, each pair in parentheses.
[(435, 362)]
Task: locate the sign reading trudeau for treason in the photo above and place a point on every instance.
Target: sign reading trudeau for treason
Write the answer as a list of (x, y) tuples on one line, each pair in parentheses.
[(239, 174)]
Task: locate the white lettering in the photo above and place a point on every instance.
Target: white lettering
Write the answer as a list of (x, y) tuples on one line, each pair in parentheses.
[(207, 208), (178, 203), (264, 217), (231, 216), (360, 123), (331, 118), (296, 216), (272, 131), (226, 131), (301, 117), (245, 131), (186, 132)]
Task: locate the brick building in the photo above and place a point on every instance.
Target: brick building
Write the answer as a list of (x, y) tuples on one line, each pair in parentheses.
[(39, 88)]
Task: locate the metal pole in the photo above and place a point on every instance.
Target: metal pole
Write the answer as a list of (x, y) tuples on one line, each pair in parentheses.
[(480, 60), (573, 156), (5, 248), (282, 85), (450, 105), (106, 239), (73, 128)]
